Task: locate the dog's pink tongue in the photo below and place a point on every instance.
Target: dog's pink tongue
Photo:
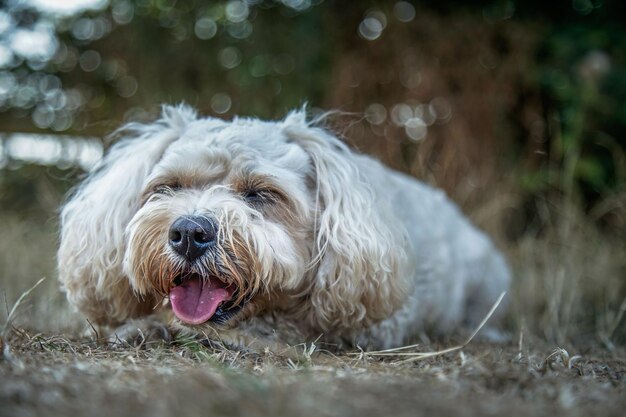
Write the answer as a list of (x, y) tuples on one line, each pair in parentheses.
[(195, 300)]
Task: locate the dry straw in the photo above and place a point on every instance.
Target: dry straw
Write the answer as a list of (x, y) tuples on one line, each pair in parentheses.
[(4, 334), (417, 356)]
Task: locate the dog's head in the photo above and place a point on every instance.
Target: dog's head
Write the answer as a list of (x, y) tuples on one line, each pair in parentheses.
[(229, 220)]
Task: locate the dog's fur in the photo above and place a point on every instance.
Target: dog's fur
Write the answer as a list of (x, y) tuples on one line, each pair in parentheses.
[(337, 246)]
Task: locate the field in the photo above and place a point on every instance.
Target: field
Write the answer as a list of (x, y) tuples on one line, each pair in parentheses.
[(565, 355), (516, 109), (51, 375)]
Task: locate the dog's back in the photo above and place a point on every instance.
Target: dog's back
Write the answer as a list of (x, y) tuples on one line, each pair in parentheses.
[(455, 274)]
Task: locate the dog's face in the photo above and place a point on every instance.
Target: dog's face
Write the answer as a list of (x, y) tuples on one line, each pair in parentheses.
[(230, 220), (225, 227)]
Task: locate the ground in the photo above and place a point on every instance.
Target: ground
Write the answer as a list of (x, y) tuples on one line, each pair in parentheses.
[(54, 375), (569, 292)]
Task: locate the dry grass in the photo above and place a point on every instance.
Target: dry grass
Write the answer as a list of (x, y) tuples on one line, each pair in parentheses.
[(567, 354), (27, 251), (567, 290), (53, 375), (569, 285)]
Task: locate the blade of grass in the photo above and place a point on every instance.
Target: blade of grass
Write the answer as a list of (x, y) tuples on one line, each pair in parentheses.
[(5, 352), (416, 356)]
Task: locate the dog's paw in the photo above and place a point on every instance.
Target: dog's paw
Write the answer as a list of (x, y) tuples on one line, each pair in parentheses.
[(141, 333)]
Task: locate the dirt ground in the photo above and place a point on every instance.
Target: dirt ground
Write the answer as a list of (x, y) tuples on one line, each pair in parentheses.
[(568, 287), (55, 376)]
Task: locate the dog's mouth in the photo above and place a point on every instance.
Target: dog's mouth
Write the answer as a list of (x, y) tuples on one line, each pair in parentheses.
[(196, 299)]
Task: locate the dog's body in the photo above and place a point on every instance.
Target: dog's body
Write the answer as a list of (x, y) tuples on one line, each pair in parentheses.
[(270, 231)]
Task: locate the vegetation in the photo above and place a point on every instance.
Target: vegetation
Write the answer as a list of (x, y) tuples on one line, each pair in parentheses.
[(516, 108)]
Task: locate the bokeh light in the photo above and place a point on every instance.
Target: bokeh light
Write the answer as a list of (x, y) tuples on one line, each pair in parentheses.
[(38, 44), (63, 151), (67, 7), (89, 60), (126, 86), (237, 11), (375, 113), (404, 11), (415, 128), (440, 108), (372, 26), (122, 12), (221, 103), (239, 30), (230, 57), (205, 28)]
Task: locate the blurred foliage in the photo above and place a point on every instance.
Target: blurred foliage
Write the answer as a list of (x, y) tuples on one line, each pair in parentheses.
[(582, 74), (466, 94), (121, 62), (34, 191), (516, 108)]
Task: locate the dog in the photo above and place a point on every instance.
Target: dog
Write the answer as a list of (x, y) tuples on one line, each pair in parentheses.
[(263, 232)]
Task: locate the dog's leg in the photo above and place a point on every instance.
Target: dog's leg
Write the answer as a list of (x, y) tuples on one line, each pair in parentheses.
[(492, 278)]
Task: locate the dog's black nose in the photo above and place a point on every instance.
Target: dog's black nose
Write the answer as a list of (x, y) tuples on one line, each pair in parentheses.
[(191, 236)]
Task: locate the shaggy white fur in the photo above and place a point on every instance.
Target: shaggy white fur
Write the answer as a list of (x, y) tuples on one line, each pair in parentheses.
[(300, 237)]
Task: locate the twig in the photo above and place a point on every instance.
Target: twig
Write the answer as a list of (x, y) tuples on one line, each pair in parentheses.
[(93, 329), (416, 356)]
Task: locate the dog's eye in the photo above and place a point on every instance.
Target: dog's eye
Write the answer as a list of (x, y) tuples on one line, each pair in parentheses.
[(258, 196), (165, 188)]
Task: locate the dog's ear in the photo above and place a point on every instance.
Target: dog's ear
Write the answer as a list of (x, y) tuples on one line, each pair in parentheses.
[(359, 253), (94, 219)]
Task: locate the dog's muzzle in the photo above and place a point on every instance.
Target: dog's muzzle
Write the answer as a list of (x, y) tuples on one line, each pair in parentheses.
[(196, 298)]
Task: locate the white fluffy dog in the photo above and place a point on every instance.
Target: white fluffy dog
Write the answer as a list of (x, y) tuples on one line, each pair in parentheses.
[(259, 232)]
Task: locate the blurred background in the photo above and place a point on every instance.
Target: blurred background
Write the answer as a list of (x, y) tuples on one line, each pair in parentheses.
[(516, 108)]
